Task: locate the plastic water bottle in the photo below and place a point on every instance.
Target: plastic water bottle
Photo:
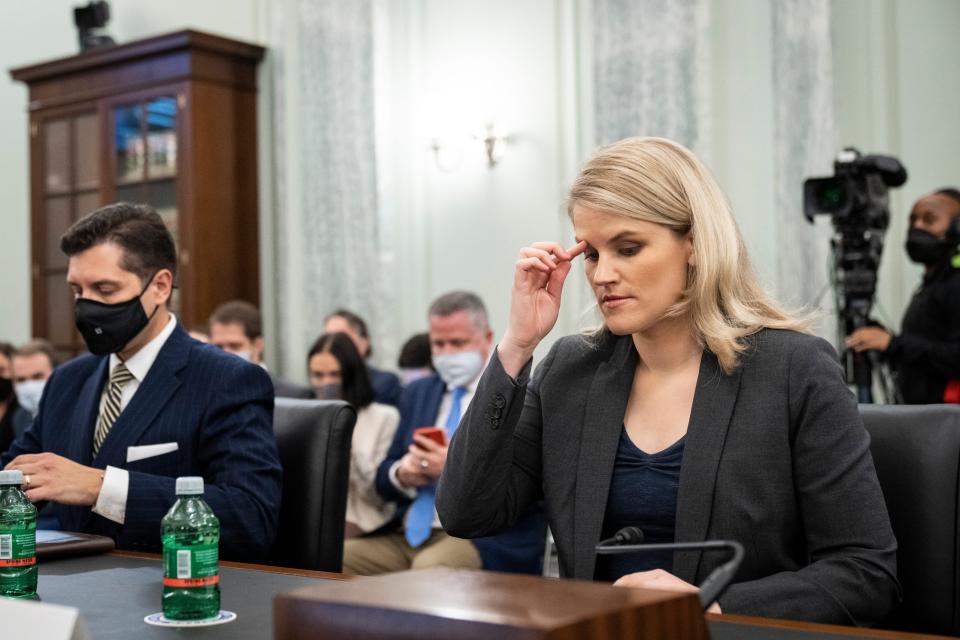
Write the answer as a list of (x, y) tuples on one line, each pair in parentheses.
[(18, 538), (191, 540)]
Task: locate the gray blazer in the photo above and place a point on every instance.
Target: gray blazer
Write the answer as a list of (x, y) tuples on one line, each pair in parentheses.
[(775, 457)]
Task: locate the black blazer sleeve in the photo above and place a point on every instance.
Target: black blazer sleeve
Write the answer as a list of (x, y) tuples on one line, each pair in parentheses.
[(493, 470), (850, 576), (938, 354)]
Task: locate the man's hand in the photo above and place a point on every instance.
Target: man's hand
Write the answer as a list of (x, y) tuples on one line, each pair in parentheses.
[(47, 476), (410, 473), (430, 456), (660, 580), (869, 338)]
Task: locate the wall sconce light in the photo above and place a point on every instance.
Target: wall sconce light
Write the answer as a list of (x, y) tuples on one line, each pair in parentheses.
[(493, 143), (448, 154)]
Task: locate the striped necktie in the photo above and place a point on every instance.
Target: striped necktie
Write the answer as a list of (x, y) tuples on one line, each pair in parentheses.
[(111, 404)]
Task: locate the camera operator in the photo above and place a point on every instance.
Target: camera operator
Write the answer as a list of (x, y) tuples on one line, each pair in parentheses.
[(926, 354)]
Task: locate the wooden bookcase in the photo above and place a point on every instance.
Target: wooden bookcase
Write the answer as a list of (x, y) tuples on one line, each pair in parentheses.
[(169, 121)]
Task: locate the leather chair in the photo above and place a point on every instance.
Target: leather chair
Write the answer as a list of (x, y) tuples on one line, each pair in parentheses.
[(313, 438), (916, 450)]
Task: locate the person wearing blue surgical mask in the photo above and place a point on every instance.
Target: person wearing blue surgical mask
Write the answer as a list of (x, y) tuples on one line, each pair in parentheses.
[(33, 364), (14, 419), (461, 341)]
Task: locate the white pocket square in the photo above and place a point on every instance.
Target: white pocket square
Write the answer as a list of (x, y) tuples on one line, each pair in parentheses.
[(150, 450)]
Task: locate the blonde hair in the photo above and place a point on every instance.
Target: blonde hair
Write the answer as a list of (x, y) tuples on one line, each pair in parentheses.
[(660, 181)]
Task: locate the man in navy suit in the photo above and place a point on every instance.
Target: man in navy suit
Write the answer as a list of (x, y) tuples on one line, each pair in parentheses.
[(461, 340), (117, 426)]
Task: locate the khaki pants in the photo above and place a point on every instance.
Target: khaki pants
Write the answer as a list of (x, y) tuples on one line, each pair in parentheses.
[(391, 552)]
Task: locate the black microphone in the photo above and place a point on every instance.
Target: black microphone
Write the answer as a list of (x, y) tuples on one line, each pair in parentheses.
[(630, 540)]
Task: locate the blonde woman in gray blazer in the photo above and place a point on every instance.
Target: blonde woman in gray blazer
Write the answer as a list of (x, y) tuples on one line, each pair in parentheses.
[(702, 409)]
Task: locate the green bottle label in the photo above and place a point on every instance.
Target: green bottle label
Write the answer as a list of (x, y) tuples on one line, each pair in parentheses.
[(190, 566), (18, 548)]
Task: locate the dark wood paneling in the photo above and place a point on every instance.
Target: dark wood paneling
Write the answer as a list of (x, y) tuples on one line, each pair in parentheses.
[(157, 46), (185, 55), (214, 236), (247, 207)]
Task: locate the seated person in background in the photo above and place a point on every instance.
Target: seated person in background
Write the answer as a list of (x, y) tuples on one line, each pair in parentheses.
[(701, 410), (33, 364), (461, 338), (146, 382), (926, 354), (235, 327), (337, 372), (14, 419), (415, 359), (386, 386)]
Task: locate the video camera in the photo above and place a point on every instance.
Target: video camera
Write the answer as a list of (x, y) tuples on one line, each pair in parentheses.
[(856, 197)]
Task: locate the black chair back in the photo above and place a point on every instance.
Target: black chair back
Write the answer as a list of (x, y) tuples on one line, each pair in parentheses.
[(313, 438), (917, 453)]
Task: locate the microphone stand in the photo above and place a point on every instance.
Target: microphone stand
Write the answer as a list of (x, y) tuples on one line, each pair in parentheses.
[(718, 580)]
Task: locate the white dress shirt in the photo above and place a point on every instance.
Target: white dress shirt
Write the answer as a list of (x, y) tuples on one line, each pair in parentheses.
[(444, 413), (112, 501)]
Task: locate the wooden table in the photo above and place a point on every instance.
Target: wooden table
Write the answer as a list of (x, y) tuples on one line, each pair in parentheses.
[(115, 591)]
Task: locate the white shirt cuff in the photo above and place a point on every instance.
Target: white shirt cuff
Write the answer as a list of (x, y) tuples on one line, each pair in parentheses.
[(410, 492), (112, 501)]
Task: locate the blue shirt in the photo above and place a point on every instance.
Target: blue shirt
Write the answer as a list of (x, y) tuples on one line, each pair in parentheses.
[(643, 493)]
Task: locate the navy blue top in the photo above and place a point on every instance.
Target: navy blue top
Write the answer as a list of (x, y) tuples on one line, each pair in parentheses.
[(643, 493)]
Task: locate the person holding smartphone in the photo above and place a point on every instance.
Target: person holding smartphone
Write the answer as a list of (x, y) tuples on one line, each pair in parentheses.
[(701, 409), (430, 410)]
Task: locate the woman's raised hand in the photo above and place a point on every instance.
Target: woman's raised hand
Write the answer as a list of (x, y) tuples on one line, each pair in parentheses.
[(535, 301)]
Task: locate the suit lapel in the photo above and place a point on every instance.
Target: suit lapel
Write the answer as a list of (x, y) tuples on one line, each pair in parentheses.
[(599, 437), (713, 403), (147, 403), (433, 401), (80, 441)]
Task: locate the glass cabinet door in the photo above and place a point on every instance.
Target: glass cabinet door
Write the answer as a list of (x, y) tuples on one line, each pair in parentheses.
[(145, 151), (145, 138), (70, 180)]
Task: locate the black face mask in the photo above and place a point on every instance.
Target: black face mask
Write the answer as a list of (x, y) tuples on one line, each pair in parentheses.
[(6, 388), (108, 328), (925, 248)]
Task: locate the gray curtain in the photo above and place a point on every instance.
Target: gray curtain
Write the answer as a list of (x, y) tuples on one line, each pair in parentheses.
[(327, 233), (650, 70), (805, 145)]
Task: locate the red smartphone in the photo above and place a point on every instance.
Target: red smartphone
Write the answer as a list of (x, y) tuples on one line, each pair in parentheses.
[(437, 434)]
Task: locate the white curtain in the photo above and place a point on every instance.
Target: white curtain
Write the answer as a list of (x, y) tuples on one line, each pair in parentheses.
[(805, 145), (651, 70), (326, 232)]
